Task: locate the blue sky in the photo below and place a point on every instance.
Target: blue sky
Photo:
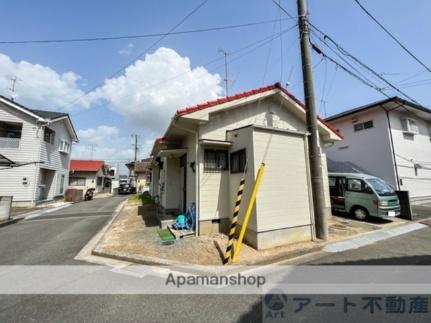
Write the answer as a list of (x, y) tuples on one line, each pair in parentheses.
[(62, 72)]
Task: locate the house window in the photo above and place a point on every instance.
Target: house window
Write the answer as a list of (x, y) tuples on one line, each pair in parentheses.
[(49, 135), (64, 147), (238, 161), (215, 160), (99, 180), (77, 181), (10, 129), (363, 125), (368, 124), (409, 126)]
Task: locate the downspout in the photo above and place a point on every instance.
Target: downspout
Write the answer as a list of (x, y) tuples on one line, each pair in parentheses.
[(40, 124), (394, 158), (197, 182)]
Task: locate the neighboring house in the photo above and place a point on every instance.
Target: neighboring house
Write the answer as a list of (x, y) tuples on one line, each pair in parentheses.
[(42, 140), (143, 174), (390, 139), (85, 174), (208, 148)]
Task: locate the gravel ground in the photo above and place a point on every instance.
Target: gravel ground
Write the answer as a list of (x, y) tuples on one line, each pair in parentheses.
[(135, 236)]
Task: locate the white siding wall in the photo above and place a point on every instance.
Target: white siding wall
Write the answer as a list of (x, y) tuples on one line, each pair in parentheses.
[(416, 148), (11, 180), (370, 149), (90, 180), (53, 159)]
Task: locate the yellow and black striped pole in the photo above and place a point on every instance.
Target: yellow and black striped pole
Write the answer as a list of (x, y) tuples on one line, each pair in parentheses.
[(229, 249)]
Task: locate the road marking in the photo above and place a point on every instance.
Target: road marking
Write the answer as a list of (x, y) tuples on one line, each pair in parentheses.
[(373, 237), (32, 216)]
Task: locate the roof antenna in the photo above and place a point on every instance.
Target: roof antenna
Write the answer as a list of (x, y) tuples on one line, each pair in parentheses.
[(226, 80), (11, 89)]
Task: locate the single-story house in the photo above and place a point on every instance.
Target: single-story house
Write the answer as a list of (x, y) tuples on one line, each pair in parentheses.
[(389, 139), (85, 174), (38, 144), (209, 147)]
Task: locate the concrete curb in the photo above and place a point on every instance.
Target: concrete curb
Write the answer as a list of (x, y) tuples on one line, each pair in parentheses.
[(9, 222), (296, 258), (96, 240), (372, 237)]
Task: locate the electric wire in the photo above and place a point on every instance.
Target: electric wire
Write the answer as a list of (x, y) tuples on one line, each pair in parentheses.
[(392, 36)]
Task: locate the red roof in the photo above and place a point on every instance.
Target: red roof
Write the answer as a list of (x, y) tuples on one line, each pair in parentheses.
[(245, 94), (86, 165)]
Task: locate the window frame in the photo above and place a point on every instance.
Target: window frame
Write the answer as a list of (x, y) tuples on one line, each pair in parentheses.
[(360, 126), (13, 125), (218, 166), (78, 179), (241, 167), (64, 146), (51, 135)]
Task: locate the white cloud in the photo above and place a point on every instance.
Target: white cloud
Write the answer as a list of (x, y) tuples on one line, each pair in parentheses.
[(151, 90), (40, 86), (127, 51), (105, 143), (109, 145), (99, 135)]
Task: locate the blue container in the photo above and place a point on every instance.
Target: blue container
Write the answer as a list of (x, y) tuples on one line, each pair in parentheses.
[(181, 220)]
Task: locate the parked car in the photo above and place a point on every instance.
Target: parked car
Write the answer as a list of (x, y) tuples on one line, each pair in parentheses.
[(126, 189), (363, 195)]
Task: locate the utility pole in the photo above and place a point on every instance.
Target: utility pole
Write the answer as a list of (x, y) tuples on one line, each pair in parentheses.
[(135, 146), (320, 216), (92, 149), (226, 80)]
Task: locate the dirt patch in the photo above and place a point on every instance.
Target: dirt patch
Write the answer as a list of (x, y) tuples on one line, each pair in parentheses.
[(134, 235)]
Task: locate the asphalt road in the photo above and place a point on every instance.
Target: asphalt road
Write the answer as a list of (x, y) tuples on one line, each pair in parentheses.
[(56, 238)]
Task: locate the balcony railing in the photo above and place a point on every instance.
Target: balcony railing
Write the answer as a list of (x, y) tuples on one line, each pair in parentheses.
[(9, 142)]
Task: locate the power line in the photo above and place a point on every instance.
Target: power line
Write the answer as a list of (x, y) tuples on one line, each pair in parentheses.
[(92, 39), (365, 66), (392, 36), (320, 52), (141, 53)]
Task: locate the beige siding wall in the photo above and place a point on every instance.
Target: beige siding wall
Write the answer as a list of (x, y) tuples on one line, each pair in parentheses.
[(283, 197), (172, 184), (190, 144), (217, 189), (242, 139), (90, 180), (214, 191), (265, 113)]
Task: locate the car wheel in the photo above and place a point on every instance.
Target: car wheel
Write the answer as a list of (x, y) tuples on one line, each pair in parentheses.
[(360, 213)]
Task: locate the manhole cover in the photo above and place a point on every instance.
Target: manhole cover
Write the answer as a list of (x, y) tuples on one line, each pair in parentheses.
[(167, 242)]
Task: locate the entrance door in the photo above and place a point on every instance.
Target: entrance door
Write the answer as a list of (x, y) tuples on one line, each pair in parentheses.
[(183, 181)]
